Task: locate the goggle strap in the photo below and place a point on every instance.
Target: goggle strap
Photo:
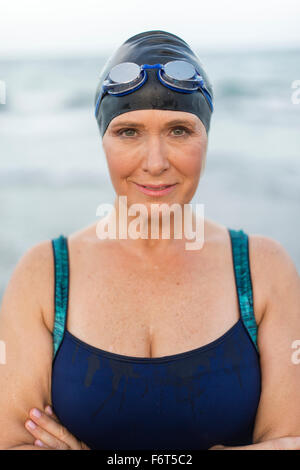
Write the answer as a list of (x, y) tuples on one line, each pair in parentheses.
[(198, 80)]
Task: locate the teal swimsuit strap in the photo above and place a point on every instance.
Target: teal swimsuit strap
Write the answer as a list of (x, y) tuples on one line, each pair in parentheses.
[(61, 265), (240, 250)]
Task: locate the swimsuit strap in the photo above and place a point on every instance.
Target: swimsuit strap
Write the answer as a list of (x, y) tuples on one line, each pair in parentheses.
[(240, 251), (61, 264)]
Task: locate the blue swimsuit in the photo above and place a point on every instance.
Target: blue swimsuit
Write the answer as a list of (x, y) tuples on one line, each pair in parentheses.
[(191, 400)]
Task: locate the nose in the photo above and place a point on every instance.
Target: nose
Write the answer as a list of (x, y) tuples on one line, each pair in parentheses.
[(155, 160)]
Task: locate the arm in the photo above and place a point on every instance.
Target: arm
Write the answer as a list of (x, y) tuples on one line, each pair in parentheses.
[(25, 378), (277, 310), (278, 413)]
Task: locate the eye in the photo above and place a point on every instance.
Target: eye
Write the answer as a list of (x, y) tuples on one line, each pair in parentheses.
[(129, 132), (182, 131)]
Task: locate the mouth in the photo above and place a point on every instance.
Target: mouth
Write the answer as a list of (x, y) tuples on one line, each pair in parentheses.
[(155, 189)]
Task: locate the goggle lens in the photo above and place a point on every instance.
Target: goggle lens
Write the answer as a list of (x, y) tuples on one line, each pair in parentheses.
[(180, 70), (125, 72)]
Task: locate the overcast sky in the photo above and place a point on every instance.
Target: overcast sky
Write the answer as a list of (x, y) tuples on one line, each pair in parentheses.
[(59, 27)]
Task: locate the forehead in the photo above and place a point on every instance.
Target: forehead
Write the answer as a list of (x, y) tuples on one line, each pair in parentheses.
[(154, 118)]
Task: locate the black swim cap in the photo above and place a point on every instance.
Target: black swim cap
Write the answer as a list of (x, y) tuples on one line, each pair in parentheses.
[(151, 47)]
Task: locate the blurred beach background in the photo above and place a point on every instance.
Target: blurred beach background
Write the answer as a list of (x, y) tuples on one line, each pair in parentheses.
[(53, 172)]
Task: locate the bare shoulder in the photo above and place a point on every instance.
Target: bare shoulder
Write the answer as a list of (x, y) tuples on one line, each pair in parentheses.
[(272, 269), (34, 268), (271, 258), (38, 259), (273, 272), (33, 276)]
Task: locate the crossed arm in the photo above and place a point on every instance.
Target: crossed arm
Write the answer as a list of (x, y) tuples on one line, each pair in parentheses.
[(25, 379)]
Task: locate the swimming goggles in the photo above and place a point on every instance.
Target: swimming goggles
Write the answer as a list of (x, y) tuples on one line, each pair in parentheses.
[(178, 75)]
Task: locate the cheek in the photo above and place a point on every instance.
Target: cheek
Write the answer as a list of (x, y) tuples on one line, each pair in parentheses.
[(119, 167), (121, 161), (190, 162)]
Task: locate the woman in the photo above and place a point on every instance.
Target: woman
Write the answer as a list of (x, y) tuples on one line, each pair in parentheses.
[(147, 344)]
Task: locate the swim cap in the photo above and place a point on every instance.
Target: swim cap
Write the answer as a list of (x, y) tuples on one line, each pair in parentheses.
[(152, 47)]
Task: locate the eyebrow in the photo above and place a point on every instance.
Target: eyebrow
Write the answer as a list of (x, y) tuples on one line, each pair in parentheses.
[(174, 122)]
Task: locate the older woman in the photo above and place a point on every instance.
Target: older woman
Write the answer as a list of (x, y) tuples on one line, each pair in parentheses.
[(141, 343)]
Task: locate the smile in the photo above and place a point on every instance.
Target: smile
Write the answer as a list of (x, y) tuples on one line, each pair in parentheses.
[(155, 190)]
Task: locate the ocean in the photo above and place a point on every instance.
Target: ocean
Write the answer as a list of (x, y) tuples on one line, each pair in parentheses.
[(53, 172)]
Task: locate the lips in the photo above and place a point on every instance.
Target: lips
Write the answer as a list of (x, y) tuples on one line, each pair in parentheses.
[(155, 189), (151, 186)]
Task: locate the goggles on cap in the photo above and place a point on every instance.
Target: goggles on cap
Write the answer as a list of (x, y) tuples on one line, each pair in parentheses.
[(178, 75)]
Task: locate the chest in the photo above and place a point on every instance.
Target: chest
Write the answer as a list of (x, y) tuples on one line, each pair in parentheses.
[(151, 310)]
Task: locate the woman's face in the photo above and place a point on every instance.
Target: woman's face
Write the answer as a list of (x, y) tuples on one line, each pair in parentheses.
[(155, 147)]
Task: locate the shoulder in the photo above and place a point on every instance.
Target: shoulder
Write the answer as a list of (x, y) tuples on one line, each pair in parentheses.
[(273, 271), (33, 279), (33, 265), (271, 257)]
